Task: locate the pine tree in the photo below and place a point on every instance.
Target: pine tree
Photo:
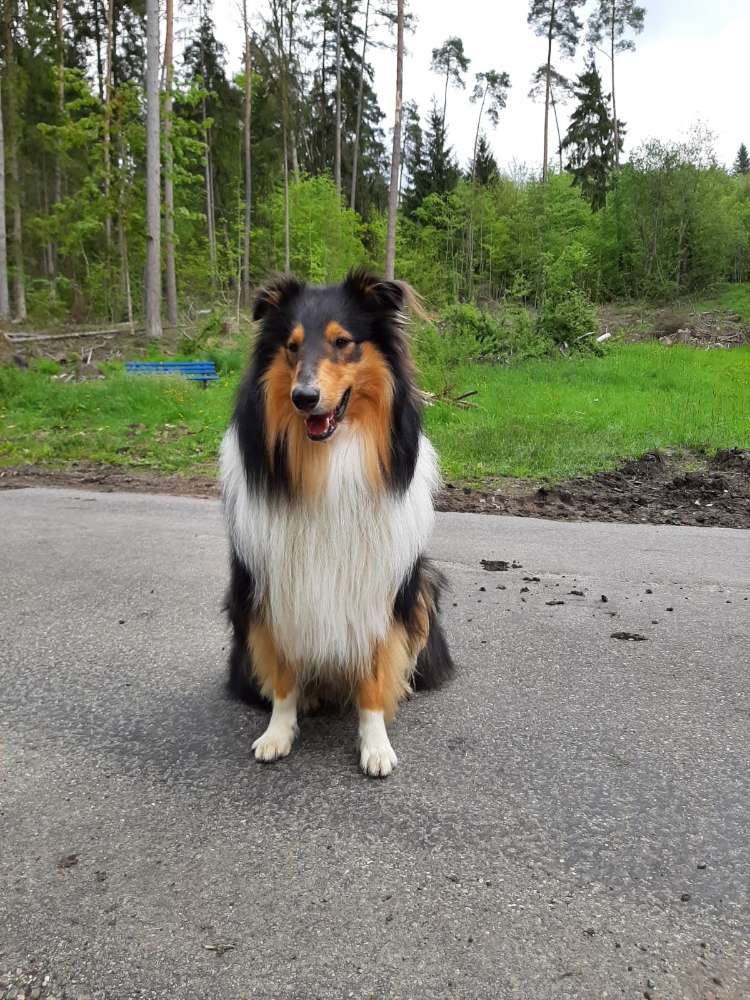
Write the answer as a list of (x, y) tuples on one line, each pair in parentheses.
[(449, 59), (495, 86), (742, 163), (436, 171), (590, 139), (557, 21), (390, 247), (609, 23)]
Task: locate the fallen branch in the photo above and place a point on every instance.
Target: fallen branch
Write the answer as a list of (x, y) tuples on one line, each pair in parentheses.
[(21, 338)]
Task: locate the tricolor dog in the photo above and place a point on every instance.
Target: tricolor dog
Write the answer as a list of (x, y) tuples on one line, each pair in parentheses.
[(328, 485)]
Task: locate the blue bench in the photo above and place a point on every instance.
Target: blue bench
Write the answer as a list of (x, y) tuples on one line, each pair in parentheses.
[(193, 371)]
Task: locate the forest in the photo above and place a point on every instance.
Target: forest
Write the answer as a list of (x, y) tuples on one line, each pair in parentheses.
[(126, 131)]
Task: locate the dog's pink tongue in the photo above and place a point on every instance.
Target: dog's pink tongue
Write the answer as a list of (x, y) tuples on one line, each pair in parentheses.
[(317, 425)]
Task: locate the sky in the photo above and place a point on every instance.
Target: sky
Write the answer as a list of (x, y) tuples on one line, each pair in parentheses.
[(689, 67)]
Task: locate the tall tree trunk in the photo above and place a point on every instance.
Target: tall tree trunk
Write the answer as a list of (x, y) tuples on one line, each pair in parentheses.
[(169, 257), (57, 181), (286, 200), (360, 97), (390, 251), (247, 123), (4, 295), (472, 203), (557, 126), (208, 174), (122, 237), (323, 110), (337, 149), (108, 126), (292, 117), (545, 165), (476, 134), (98, 47), (14, 187), (445, 97), (57, 195), (614, 100), (153, 186)]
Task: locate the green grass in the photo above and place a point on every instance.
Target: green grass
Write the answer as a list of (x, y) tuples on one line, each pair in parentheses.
[(540, 419), (730, 298)]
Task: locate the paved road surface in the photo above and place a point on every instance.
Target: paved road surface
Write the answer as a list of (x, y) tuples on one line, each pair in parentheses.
[(571, 818)]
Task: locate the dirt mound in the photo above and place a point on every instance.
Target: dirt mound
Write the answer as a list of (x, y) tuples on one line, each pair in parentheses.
[(655, 489), (707, 330)]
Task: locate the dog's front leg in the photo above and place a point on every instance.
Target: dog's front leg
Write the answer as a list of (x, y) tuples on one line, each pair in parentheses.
[(377, 697), (278, 682)]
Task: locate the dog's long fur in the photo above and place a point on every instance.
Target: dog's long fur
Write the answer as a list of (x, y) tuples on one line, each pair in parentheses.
[(330, 592)]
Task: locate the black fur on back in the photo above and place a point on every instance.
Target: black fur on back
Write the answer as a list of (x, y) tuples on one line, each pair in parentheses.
[(434, 664)]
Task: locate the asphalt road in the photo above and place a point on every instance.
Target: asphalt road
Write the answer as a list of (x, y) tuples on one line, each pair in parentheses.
[(570, 818)]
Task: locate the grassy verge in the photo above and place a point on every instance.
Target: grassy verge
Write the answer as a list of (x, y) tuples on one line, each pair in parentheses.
[(540, 418), (729, 298)]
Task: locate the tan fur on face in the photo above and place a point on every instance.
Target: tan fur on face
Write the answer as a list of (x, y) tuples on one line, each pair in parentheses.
[(307, 461), (368, 411)]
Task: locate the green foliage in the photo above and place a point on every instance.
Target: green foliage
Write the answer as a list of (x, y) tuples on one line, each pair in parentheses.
[(540, 418), (568, 316), (590, 140), (578, 415), (742, 163), (326, 238), (467, 334)]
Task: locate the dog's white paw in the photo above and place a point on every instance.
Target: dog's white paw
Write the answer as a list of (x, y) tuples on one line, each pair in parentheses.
[(274, 743), (377, 761), (376, 756)]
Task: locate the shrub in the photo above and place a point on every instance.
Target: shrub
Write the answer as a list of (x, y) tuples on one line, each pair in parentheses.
[(567, 315), (466, 333)]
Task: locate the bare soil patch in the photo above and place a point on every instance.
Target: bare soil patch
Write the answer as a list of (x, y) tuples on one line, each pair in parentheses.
[(656, 489), (675, 325)]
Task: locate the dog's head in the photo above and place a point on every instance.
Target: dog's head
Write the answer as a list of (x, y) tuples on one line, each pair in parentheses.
[(332, 354)]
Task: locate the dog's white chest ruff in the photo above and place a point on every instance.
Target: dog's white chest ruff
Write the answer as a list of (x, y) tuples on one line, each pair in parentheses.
[(327, 569)]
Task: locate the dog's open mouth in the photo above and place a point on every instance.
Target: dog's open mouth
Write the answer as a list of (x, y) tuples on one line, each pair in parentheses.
[(320, 426)]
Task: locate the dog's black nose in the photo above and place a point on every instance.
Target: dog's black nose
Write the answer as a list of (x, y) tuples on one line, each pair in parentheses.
[(305, 397)]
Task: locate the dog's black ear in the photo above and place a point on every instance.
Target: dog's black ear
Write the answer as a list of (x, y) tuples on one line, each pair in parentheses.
[(390, 296), (276, 293)]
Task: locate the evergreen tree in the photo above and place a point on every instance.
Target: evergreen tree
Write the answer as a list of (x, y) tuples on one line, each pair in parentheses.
[(437, 171), (484, 168), (590, 139), (742, 163)]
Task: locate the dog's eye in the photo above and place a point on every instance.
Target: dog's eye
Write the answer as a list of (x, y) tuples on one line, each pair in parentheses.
[(293, 347), (342, 341)]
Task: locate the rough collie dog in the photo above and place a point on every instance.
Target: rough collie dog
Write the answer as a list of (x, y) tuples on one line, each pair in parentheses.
[(328, 484)]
